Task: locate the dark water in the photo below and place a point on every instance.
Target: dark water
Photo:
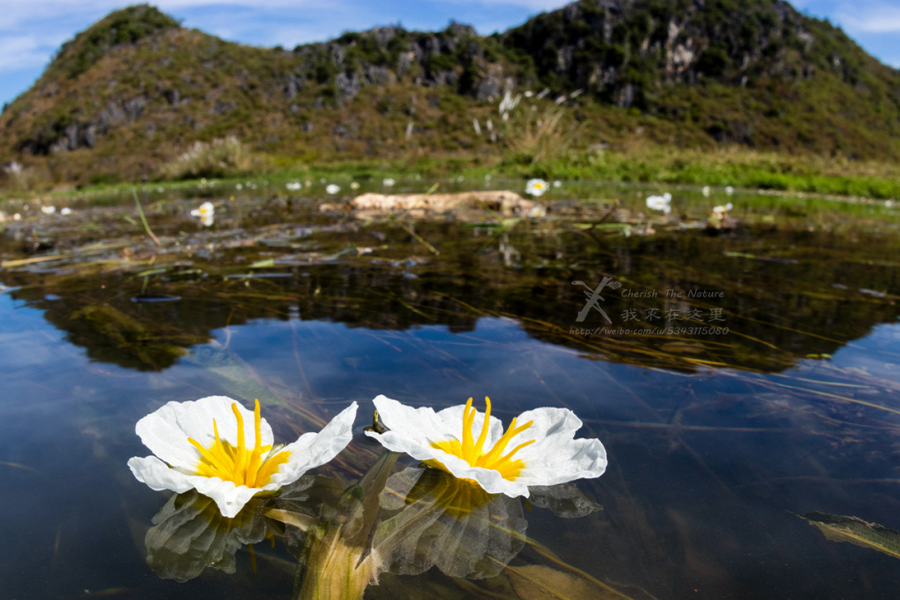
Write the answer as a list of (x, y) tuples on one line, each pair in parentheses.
[(719, 440)]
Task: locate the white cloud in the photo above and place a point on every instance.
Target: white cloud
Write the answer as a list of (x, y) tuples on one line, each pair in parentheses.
[(874, 19)]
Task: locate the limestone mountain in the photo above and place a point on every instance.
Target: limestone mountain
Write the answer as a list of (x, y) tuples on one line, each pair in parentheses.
[(136, 89)]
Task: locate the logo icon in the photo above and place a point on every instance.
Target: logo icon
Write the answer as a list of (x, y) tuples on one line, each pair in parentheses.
[(594, 297)]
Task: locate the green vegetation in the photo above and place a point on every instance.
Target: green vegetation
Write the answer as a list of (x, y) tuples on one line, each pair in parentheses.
[(628, 98), (125, 26)]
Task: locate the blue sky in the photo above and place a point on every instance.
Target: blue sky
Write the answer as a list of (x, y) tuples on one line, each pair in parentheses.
[(31, 30)]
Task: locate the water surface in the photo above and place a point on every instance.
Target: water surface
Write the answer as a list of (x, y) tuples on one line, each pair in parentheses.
[(719, 440)]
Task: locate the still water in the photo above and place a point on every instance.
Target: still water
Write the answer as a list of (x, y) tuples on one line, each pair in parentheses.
[(744, 381)]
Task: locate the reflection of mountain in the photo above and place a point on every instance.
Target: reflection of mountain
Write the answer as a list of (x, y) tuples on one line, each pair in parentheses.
[(784, 294)]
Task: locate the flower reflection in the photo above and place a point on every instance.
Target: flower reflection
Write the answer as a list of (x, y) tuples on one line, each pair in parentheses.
[(189, 534), (204, 445), (538, 448), (452, 524)]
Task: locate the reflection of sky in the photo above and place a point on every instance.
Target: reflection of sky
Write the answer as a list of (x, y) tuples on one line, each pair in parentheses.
[(705, 469), (31, 32)]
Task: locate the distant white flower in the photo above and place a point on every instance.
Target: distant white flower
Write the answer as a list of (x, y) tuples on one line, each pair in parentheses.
[(332, 188), (662, 203), (529, 94), (293, 185), (238, 187), (388, 182), (48, 210), (722, 210), (487, 177), (729, 190), (206, 210), (17, 217), (204, 445), (66, 211), (536, 187), (557, 183), (706, 190), (474, 447), (354, 185)]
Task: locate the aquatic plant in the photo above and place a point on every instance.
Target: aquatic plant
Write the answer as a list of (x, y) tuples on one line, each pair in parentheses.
[(204, 445), (545, 451)]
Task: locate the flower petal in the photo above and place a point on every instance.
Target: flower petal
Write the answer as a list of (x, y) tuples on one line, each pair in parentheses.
[(556, 457), (166, 430), (158, 476), (312, 450)]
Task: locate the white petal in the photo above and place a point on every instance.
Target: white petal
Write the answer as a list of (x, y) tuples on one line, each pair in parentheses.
[(556, 457), (315, 449), (166, 431), (228, 497), (159, 476)]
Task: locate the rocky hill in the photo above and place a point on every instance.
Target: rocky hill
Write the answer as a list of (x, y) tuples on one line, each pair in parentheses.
[(136, 89)]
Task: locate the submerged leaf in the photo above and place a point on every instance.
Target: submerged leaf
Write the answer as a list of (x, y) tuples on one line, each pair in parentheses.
[(856, 531), (539, 582)]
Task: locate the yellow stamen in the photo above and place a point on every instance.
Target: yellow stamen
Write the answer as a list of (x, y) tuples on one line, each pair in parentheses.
[(473, 451), (238, 464)]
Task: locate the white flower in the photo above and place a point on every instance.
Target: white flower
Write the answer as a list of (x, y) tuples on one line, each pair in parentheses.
[(662, 203), (332, 188), (238, 187), (721, 210), (706, 190), (48, 210), (293, 186), (544, 451), (354, 185), (536, 187), (557, 183), (729, 190), (66, 211), (204, 445), (388, 182), (206, 212)]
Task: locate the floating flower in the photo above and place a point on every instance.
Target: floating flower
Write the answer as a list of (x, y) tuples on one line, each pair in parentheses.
[(662, 203), (354, 185), (293, 185), (474, 447), (238, 187), (706, 190), (729, 190), (536, 187), (66, 211), (332, 188), (557, 183), (722, 210), (388, 182), (48, 210), (206, 212), (204, 445)]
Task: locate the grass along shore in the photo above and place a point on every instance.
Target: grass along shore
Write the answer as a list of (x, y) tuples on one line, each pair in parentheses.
[(736, 167)]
